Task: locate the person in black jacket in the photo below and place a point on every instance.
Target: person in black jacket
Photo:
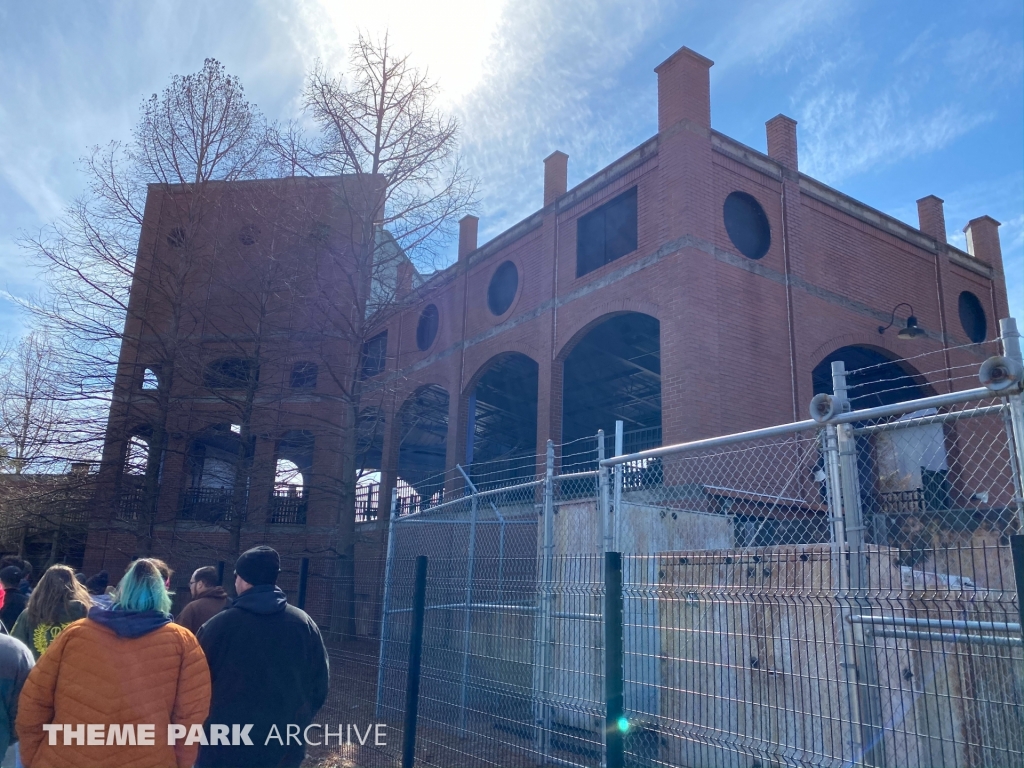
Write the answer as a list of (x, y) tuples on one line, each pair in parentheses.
[(268, 666), (14, 600)]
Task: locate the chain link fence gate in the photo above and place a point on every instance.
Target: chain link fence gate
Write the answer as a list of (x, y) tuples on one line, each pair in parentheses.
[(832, 592)]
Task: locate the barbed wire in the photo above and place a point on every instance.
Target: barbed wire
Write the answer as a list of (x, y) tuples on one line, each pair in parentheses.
[(906, 387), (923, 374), (923, 354)]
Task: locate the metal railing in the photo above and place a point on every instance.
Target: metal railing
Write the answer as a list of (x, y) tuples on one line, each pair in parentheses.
[(208, 505), (288, 504)]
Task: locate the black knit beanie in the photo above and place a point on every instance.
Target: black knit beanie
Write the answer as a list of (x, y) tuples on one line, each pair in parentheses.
[(259, 566)]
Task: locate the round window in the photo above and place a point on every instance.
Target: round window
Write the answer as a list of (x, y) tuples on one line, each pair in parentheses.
[(426, 329), (747, 225), (503, 287), (972, 317)]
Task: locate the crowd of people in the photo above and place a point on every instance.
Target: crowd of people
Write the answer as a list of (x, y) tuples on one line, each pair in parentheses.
[(79, 652)]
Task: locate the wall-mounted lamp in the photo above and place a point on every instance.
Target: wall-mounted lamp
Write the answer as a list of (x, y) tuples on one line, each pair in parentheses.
[(912, 331)]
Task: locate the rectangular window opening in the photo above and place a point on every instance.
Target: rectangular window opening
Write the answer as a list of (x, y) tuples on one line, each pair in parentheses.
[(374, 356), (606, 233)]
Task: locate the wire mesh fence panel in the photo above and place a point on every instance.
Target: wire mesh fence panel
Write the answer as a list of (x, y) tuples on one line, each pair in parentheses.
[(350, 715), (930, 481), (755, 493), (760, 657)]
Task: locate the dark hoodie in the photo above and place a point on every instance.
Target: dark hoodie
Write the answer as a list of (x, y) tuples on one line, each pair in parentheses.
[(129, 623), (268, 666)]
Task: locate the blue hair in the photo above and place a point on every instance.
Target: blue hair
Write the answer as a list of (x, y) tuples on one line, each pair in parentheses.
[(142, 589)]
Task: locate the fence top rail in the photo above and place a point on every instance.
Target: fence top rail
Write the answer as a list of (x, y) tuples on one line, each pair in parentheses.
[(782, 430)]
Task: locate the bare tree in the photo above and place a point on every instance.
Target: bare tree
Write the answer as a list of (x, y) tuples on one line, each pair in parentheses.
[(117, 303), (32, 412), (381, 125)]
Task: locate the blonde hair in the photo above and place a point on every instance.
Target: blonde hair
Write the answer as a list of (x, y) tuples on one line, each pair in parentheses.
[(51, 599)]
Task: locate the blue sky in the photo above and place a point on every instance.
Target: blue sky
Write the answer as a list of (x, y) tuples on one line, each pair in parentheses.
[(894, 101)]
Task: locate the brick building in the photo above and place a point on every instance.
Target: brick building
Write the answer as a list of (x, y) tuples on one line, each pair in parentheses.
[(646, 293)]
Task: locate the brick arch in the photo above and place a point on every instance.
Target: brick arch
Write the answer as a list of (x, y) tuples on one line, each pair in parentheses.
[(516, 347), (877, 343), (585, 322)]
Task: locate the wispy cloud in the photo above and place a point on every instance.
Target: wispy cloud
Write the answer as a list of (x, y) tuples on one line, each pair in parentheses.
[(845, 134), (555, 81)]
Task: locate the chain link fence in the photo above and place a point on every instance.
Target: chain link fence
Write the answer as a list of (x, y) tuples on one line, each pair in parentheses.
[(834, 592)]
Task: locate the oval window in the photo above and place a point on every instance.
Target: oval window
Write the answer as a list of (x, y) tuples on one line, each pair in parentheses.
[(972, 317), (426, 329), (747, 225), (503, 287)]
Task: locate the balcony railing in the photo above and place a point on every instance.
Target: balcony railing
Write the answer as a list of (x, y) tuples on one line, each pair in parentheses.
[(367, 501), (129, 504), (208, 505), (288, 504)]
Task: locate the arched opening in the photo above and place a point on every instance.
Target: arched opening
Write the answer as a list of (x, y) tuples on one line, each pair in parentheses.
[(613, 373), (133, 477), (150, 380), (136, 457), (215, 458), (423, 446), (903, 473), (873, 377), (501, 430), (290, 497), (369, 458)]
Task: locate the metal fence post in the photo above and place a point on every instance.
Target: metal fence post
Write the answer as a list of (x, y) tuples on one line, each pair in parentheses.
[(412, 687), (616, 511), (603, 495), (616, 723), (385, 621), (300, 601), (1010, 337), (547, 597), (467, 622), (868, 701)]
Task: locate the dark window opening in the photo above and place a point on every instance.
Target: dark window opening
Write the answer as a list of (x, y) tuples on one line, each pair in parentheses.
[(872, 379), (502, 289), (613, 374), (607, 233), (972, 317), (249, 234), (501, 439), (423, 446), (374, 356), (217, 461), (304, 375), (747, 225), (426, 328), (231, 373), (319, 233), (176, 237)]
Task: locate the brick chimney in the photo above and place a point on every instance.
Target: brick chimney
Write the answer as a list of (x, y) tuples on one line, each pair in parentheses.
[(983, 240), (932, 221), (556, 176), (781, 132), (467, 235), (404, 272), (684, 89)]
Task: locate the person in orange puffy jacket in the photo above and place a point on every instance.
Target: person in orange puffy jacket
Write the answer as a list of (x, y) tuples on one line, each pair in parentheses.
[(128, 666)]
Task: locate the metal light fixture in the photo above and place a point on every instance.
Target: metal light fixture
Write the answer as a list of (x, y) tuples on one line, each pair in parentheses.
[(911, 331)]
